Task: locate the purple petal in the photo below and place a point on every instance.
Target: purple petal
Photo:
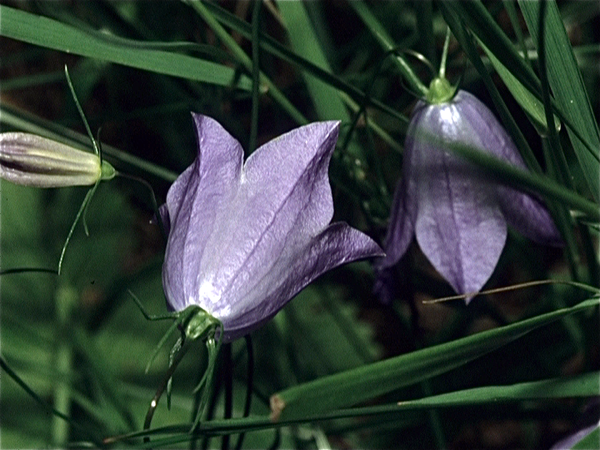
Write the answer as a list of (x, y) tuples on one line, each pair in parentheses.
[(336, 245), (283, 201), (194, 202), (244, 241), (484, 124), (459, 227), (404, 209), (524, 212), (163, 212), (528, 216)]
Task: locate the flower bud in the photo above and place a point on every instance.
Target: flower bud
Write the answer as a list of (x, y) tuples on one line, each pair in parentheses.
[(35, 161)]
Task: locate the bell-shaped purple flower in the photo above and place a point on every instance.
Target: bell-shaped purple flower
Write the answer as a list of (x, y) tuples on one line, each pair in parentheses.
[(458, 216), (243, 239)]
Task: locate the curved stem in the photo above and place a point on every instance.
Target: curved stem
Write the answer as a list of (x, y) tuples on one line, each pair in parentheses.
[(162, 387), (228, 378), (249, 383)]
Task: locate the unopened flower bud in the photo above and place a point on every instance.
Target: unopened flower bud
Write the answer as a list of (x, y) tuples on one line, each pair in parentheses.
[(33, 160)]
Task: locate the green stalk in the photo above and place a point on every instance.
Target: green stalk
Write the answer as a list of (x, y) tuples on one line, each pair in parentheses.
[(66, 300), (372, 380), (246, 62), (387, 44)]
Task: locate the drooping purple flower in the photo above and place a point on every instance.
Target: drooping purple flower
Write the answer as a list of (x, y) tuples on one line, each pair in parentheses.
[(458, 216), (243, 239)]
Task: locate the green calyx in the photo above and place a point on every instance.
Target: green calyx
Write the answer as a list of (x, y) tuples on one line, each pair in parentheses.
[(107, 171), (440, 91), (199, 324)]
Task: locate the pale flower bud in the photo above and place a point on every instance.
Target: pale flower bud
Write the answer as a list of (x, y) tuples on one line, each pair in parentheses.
[(35, 161)]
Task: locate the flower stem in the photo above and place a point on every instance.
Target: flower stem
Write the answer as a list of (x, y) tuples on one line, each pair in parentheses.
[(444, 54), (228, 377), (66, 299), (246, 62), (163, 386), (387, 44)]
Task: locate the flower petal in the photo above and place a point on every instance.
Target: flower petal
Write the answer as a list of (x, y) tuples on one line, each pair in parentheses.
[(404, 209), (336, 245), (484, 124), (195, 200), (284, 200), (459, 227), (528, 216), (524, 212)]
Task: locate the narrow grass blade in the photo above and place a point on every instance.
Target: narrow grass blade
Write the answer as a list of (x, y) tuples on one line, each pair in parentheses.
[(367, 382), (567, 86), (49, 33)]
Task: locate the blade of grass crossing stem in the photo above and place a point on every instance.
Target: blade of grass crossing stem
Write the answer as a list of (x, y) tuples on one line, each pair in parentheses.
[(567, 86), (273, 47), (529, 102), (386, 42), (584, 385), (474, 15), (367, 382), (246, 62), (477, 18), (49, 33), (304, 40)]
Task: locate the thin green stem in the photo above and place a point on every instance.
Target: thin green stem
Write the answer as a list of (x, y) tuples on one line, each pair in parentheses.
[(444, 54), (249, 385), (255, 75), (228, 389), (12, 374), (66, 301), (86, 200), (246, 62), (163, 386), (387, 43)]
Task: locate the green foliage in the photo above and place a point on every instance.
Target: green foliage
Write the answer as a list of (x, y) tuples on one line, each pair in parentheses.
[(337, 368)]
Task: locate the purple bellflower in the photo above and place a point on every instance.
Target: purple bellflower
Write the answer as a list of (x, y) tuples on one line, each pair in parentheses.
[(458, 216), (244, 238)]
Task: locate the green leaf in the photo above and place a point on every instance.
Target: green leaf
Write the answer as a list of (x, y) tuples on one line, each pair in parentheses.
[(305, 42), (367, 382), (529, 102), (49, 33), (568, 87), (585, 385), (480, 22), (273, 47)]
